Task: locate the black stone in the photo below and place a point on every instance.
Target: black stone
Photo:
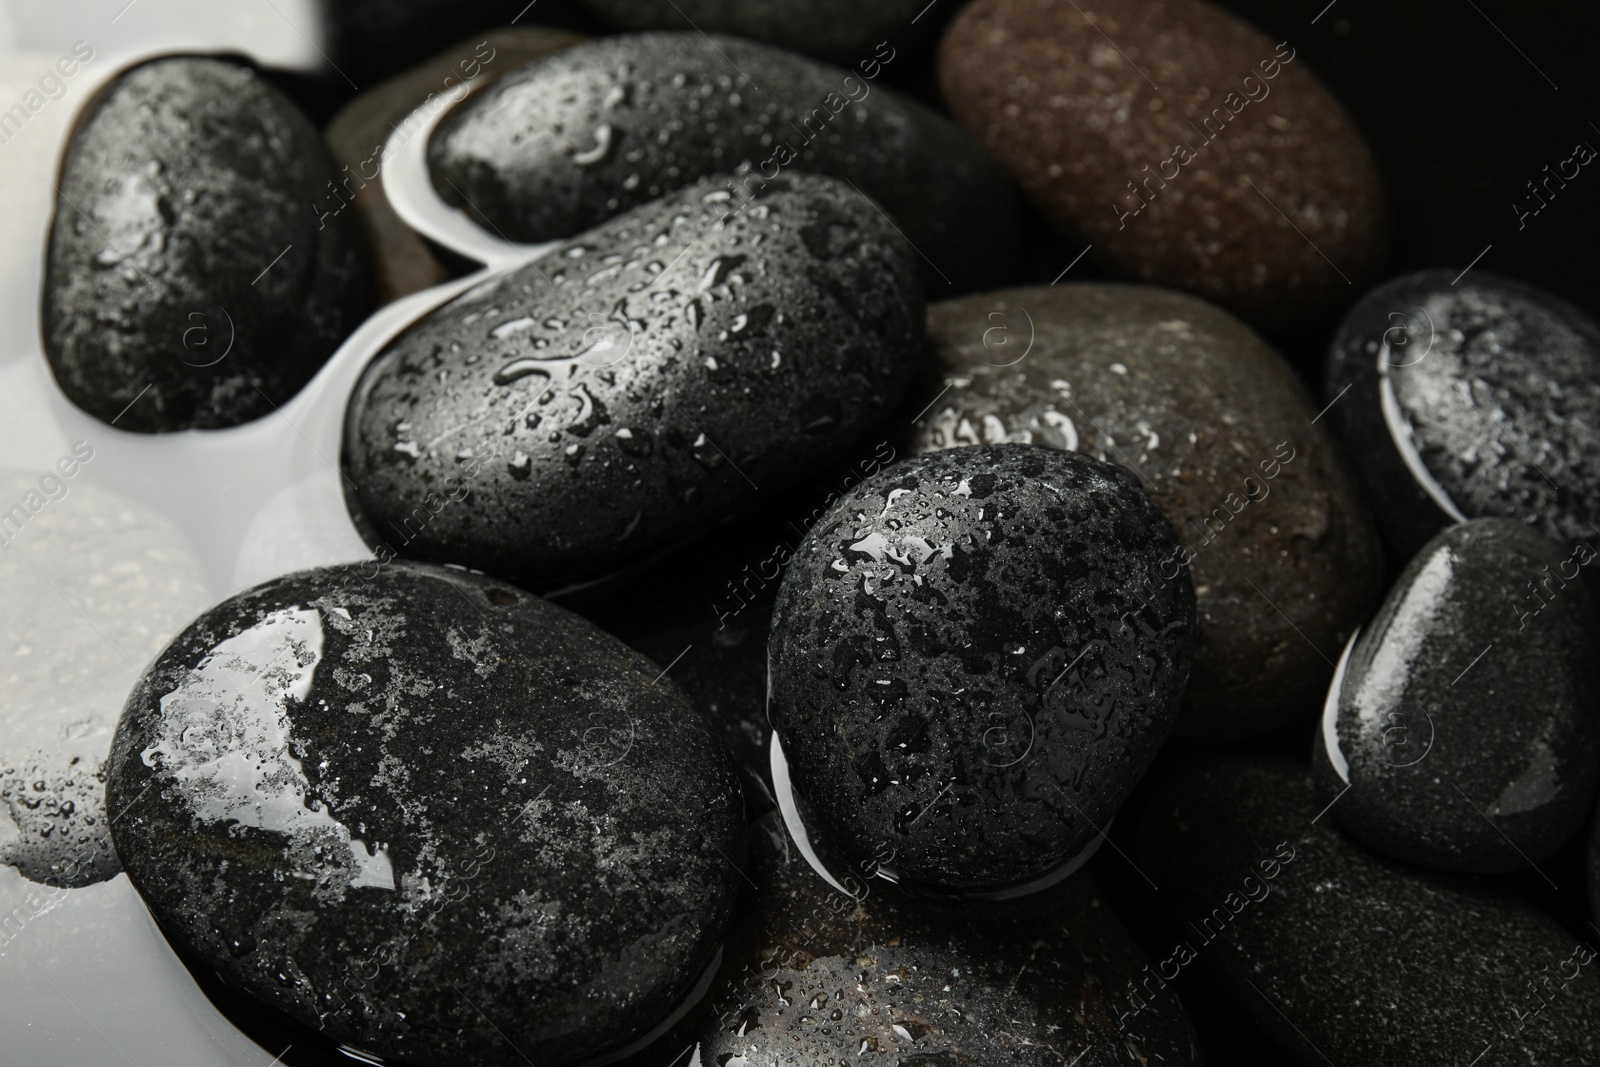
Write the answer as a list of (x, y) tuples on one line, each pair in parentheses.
[(1347, 957), (1467, 723), (816, 976), (570, 140), (975, 657), (431, 815), (633, 386), (190, 283), (841, 31), (1492, 387)]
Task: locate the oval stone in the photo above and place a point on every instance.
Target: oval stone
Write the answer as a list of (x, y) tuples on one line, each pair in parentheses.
[(190, 282), (974, 659), (432, 816), (655, 375), (567, 142), (1220, 432), (1463, 730), (1187, 148), (817, 976), (1346, 957), (1470, 398), (841, 31)]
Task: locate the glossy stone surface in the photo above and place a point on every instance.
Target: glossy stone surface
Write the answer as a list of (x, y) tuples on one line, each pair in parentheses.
[(1222, 434), (568, 142), (1349, 958), (1467, 400), (974, 660), (1467, 721), (428, 814), (189, 282), (657, 374), (841, 31), (1189, 149), (815, 976)]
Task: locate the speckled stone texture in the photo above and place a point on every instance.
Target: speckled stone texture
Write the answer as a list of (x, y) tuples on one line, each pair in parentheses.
[(1493, 389), (841, 31), (1467, 723), (186, 181), (974, 660), (431, 815), (569, 141), (659, 373), (1284, 556), (813, 976), (1141, 126), (362, 133), (1349, 958)]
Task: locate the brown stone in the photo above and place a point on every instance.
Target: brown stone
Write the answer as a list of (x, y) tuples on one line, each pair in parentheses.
[(1283, 554), (1189, 149), (361, 131)]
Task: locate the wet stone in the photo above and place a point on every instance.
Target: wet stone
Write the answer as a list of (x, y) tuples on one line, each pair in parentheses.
[(841, 31), (814, 975), (1147, 148), (1466, 400), (430, 815), (1464, 732), (570, 141), (1283, 554), (663, 371), (189, 283), (1347, 957), (974, 660)]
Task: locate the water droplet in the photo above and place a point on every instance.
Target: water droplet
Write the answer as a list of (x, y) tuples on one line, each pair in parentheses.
[(718, 270), (518, 369), (602, 145), (520, 466)]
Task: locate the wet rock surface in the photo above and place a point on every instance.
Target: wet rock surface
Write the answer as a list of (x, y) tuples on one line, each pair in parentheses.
[(813, 975), (189, 283), (974, 660), (1186, 147), (1467, 722), (1465, 400), (1346, 957), (1217, 427), (840, 31), (428, 814), (568, 142), (655, 375)]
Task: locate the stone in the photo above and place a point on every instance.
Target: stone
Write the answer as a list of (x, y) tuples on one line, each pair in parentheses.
[(666, 370), (189, 283), (1468, 400), (1463, 731), (814, 975), (569, 141), (1222, 434), (1184, 146), (430, 815), (362, 139), (1344, 956), (839, 31), (974, 661)]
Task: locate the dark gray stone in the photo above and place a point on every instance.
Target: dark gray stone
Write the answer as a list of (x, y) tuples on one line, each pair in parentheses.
[(1349, 958), (1490, 385), (659, 373), (815, 976), (1467, 723), (974, 660), (571, 140), (188, 269), (841, 31), (432, 816)]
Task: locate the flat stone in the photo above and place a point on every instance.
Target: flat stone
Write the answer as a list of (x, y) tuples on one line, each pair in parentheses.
[(1187, 148), (188, 269), (663, 371), (974, 661), (569, 141), (1222, 434), (1464, 732), (1470, 399), (429, 815)]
